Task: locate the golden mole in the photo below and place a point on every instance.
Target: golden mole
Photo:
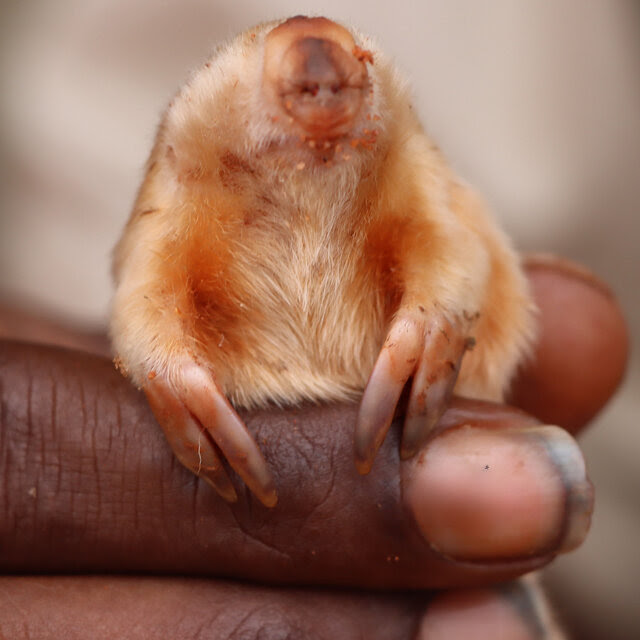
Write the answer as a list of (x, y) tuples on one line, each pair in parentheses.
[(298, 237)]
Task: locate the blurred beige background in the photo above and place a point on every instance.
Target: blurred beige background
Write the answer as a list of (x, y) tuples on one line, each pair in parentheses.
[(536, 103)]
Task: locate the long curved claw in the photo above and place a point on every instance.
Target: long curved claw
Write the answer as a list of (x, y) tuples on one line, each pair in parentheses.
[(394, 366), (187, 439), (432, 385), (209, 405), (195, 414), (429, 348)]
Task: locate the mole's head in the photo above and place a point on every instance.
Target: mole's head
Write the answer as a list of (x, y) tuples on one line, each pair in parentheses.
[(315, 76), (303, 93)]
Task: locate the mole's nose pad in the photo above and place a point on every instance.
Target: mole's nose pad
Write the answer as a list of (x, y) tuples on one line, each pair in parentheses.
[(317, 81), (315, 65)]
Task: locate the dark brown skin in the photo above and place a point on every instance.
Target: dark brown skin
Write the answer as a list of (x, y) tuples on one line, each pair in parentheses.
[(90, 486)]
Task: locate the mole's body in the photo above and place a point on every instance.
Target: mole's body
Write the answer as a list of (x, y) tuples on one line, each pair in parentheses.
[(296, 235)]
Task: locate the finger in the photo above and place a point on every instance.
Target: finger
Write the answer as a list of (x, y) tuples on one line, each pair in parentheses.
[(581, 354), (146, 609), (477, 476), (91, 485), (220, 419), (150, 608), (186, 437), (397, 361), (513, 611)]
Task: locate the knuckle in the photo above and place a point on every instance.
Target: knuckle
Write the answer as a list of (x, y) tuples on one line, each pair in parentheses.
[(270, 623)]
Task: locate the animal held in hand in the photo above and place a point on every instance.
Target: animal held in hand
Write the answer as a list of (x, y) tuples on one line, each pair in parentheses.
[(298, 237)]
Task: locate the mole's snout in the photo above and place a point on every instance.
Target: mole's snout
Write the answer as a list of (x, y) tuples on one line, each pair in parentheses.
[(311, 69)]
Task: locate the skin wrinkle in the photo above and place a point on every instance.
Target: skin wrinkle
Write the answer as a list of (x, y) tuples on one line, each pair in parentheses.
[(319, 514), (136, 493), (304, 446), (6, 454), (320, 466), (96, 512), (29, 422), (7, 597), (119, 429), (30, 464), (135, 465), (91, 511), (238, 625), (319, 503), (194, 503), (79, 387), (20, 455), (161, 488), (86, 436), (181, 623), (203, 630), (116, 433), (254, 537), (207, 627), (132, 466), (55, 433), (54, 409), (267, 621), (40, 392), (224, 601), (302, 451), (121, 461), (83, 405), (96, 458), (276, 624)]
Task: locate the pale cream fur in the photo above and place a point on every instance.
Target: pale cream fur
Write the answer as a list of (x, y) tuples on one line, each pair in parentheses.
[(276, 240)]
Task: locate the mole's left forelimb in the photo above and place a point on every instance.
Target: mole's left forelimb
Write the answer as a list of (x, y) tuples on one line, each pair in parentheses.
[(443, 274), (430, 350), (170, 269), (462, 287)]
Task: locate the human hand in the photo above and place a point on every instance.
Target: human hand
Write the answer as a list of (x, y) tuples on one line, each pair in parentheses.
[(90, 486)]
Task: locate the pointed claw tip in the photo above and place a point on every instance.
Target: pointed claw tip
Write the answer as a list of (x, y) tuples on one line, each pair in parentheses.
[(227, 493), (408, 452), (363, 466), (432, 419), (270, 500)]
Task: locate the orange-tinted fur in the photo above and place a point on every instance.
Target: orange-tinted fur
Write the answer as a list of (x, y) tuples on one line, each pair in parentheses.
[(279, 264)]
